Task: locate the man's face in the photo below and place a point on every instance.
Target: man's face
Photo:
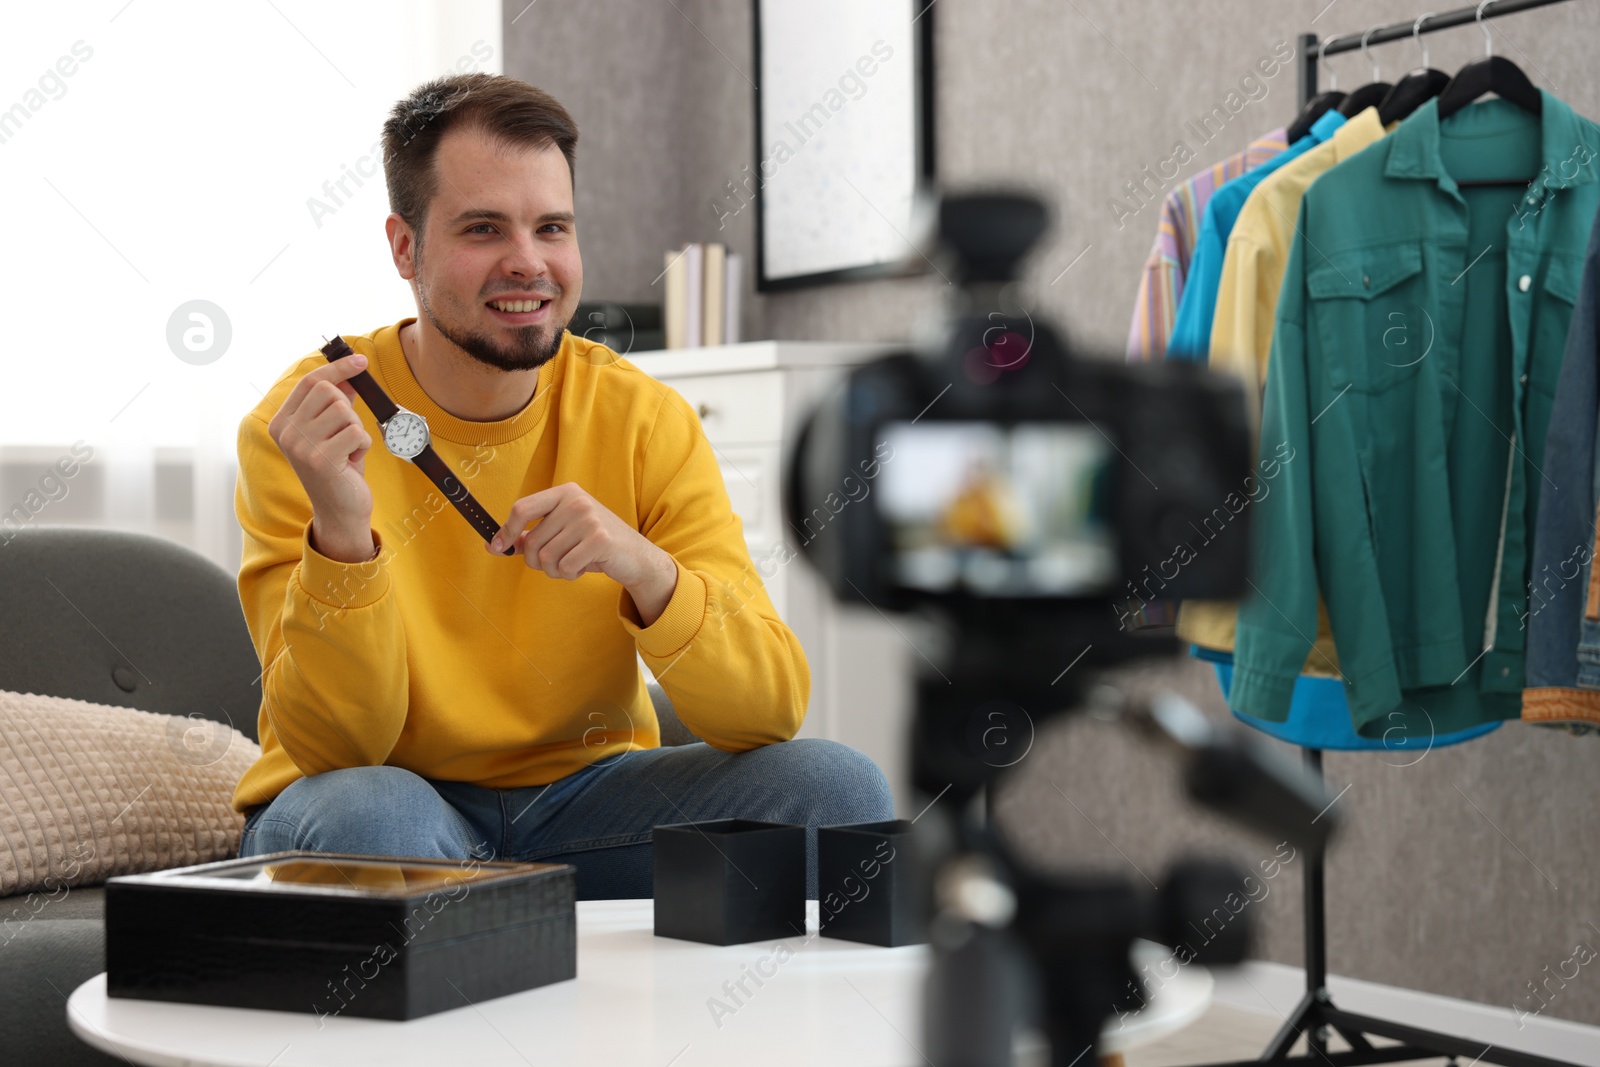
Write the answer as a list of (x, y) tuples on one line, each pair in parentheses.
[(500, 228)]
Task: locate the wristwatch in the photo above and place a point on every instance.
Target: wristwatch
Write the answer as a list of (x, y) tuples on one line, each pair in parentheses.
[(405, 433)]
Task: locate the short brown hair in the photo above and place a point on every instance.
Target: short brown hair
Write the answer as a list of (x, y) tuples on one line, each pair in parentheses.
[(511, 112)]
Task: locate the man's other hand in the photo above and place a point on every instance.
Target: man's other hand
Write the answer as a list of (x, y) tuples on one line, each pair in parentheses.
[(577, 535)]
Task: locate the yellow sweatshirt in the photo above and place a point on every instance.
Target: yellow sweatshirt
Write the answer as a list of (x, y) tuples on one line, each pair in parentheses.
[(464, 666)]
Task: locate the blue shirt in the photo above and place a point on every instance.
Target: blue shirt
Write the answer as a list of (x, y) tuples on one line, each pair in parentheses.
[(1319, 717), (1191, 330)]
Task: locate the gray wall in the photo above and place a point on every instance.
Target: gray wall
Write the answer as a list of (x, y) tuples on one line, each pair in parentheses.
[(1467, 873)]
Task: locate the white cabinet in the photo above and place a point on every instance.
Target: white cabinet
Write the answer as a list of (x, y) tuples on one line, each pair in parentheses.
[(750, 398)]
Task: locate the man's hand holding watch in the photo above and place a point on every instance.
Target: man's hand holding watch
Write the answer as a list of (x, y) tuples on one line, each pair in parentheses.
[(574, 534), (405, 433)]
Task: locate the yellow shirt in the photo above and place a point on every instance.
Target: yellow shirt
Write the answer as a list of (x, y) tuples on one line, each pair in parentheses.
[(461, 665), (1241, 334)]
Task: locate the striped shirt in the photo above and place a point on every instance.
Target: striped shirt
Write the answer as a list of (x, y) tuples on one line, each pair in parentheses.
[(1161, 282)]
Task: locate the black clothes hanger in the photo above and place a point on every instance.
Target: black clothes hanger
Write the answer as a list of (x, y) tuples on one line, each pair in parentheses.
[(1416, 88), (1319, 106), (1491, 74), (1495, 74), (1367, 96), (1371, 94), (1410, 93)]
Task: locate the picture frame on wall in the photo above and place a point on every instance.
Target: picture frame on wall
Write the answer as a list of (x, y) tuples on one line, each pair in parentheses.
[(844, 139)]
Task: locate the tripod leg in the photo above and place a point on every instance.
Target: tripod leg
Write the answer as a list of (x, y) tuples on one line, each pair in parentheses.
[(1317, 1040), (1303, 1019), (1359, 1043)]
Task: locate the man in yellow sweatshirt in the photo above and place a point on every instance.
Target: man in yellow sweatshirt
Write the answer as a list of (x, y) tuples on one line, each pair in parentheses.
[(424, 694)]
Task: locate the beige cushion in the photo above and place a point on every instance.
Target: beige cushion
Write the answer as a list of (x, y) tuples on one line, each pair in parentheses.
[(88, 791)]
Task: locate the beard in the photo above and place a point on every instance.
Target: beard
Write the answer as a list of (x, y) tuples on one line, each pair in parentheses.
[(530, 347)]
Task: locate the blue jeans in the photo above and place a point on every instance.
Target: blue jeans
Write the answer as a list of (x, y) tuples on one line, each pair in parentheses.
[(599, 819)]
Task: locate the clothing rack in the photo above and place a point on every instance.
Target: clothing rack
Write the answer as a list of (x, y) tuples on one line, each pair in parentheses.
[(1316, 1016), (1312, 53)]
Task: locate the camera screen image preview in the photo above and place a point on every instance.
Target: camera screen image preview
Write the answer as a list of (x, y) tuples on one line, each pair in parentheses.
[(1000, 511)]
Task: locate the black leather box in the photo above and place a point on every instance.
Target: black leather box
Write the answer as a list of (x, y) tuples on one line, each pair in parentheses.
[(866, 884), (381, 937), (730, 881)]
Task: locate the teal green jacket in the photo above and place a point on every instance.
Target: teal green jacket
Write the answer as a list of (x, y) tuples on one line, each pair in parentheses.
[(1418, 341)]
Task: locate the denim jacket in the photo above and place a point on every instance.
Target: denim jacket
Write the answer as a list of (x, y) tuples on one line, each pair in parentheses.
[(1413, 369), (1563, 613)]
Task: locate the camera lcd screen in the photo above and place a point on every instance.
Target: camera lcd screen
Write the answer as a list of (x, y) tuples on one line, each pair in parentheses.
[(999, 511)]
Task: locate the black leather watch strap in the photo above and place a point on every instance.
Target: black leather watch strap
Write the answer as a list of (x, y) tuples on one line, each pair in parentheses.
[(428, 461), (455, 492), (365, 385)]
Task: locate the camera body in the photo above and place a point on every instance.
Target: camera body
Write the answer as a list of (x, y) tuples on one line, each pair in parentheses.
[(1013, 483)]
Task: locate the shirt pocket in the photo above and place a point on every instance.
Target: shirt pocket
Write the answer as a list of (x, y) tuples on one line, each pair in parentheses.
[(1373, 325)]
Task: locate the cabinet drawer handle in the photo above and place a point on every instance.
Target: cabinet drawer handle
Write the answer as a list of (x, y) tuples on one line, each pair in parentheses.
[(704, 410)]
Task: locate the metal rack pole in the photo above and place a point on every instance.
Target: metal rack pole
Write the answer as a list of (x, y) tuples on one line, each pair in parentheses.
[(1402, 31)]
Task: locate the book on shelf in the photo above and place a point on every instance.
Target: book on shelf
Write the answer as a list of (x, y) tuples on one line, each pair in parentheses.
[(733, 297), (694, 259), (711, 305), (703, 297), (676, 280)]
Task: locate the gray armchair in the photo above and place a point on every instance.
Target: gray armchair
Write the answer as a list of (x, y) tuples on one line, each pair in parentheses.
[(84, 606)]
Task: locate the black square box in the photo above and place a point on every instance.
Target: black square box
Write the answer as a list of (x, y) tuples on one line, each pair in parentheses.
[(866, 884), (730, 881), (382, 937)]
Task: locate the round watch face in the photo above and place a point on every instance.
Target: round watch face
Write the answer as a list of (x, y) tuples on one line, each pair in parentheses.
[(406, 434)]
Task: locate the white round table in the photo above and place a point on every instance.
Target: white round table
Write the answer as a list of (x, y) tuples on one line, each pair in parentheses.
[(638, 999)]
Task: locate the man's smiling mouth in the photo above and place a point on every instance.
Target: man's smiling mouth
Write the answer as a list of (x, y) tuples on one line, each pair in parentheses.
[(520, 312)]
